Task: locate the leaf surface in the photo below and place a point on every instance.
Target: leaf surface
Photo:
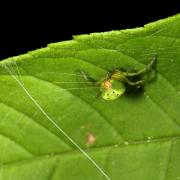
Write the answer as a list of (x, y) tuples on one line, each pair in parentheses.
[(135, 137)]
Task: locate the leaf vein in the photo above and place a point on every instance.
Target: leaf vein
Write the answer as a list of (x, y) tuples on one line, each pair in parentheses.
[(26, 115)]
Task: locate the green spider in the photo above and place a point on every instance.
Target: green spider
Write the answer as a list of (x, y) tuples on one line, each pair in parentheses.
[(113, 85)]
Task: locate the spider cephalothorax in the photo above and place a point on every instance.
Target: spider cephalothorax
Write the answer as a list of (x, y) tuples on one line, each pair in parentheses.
[(113, 85)]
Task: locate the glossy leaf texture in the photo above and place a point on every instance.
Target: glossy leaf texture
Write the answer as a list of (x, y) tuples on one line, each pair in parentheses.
[(135, 137)]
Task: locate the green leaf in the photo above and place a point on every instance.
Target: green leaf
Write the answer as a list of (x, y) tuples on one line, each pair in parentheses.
[(135, 137)]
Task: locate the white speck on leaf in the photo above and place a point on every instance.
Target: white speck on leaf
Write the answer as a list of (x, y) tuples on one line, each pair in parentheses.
[(126, 143)]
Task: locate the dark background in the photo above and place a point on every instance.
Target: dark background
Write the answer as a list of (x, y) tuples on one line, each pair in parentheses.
[(31, 26)]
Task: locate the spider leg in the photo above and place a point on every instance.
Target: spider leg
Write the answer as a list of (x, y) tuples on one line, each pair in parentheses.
[(126, 80), (147, 68), (90, 80)]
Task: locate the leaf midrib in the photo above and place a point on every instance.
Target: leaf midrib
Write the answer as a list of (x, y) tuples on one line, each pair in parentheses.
[(94, 149)]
